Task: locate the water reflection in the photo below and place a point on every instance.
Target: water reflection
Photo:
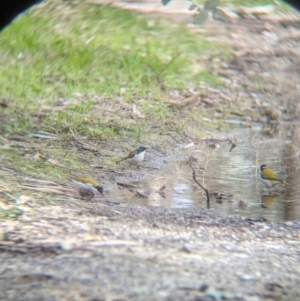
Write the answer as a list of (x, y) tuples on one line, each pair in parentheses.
[(233, 177)]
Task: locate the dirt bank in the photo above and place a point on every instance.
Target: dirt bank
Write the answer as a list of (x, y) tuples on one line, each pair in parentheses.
[(75, 250)]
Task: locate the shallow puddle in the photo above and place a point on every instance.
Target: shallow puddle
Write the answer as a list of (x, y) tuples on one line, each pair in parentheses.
[(232, 177)]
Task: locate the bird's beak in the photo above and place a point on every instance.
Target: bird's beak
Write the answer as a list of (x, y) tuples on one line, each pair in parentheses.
[(100, 189)]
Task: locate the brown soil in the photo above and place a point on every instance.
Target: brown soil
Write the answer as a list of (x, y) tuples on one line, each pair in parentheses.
[(77, 250)]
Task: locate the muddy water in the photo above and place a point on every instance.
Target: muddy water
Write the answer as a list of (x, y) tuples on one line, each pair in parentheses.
[(231, 176)]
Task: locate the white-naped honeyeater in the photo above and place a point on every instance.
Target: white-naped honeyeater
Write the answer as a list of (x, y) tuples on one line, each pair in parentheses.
[(87, 187), (135, 157), (269, 177)]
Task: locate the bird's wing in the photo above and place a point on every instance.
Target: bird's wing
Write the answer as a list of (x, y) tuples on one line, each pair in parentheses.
[(270, 175), (78, 184), (131, 154), (88, 181)]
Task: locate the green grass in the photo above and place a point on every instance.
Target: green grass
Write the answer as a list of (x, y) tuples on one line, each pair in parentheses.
[(252, 3), (50, 160), (61, 48), (13, 213)]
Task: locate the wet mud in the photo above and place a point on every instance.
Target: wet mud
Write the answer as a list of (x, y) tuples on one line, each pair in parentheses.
[(163, 244)]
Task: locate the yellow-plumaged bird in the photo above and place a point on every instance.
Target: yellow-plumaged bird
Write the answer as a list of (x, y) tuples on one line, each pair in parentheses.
[(87, 187), (269, 176)]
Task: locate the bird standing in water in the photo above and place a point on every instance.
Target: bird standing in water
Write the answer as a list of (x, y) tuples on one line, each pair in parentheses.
[(269, 177), (135, 157)]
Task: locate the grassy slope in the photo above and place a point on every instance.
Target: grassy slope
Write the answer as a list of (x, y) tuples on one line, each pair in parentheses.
[(59, 50)]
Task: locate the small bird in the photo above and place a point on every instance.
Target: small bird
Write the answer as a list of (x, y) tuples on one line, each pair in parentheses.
[(268, 176), (135, 157), (87, 187)]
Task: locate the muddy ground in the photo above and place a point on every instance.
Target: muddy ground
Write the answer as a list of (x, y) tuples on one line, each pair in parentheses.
[(75, 250)]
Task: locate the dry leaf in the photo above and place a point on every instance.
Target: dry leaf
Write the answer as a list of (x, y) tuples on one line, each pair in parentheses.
[(23, 199), (38, 156), (137, 113), (192, 144), (214, 145), (187, 103), (53, 161)]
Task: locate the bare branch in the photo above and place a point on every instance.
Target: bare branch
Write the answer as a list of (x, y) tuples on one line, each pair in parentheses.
[(194, 178)]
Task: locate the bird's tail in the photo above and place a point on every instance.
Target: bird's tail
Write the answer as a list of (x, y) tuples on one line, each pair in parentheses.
[(120, 161)]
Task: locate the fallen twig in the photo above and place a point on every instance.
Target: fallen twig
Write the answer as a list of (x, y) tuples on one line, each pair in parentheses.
[(293, 36), (194, 178), (125, 185), (221, 94), (232, 145), (210, 140), (59, 190), (84, 145), (43, 136)]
